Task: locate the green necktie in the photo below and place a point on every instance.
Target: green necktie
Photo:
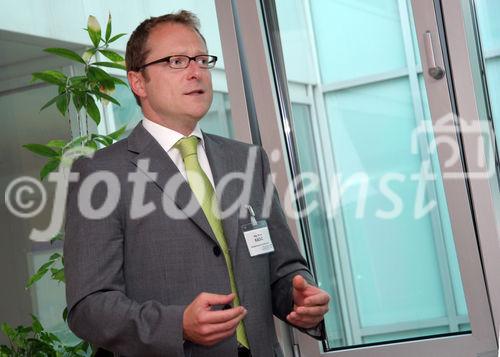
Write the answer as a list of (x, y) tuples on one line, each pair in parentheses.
[(205, 194)]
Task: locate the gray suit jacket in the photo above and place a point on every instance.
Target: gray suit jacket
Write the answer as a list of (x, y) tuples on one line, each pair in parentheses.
[(128, 280)]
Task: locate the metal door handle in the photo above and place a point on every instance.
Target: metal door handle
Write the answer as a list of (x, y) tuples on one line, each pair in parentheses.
[(434, 70)]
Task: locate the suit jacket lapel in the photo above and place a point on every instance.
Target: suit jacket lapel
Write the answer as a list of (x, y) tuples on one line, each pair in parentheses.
[(144, 147), (220, 166)]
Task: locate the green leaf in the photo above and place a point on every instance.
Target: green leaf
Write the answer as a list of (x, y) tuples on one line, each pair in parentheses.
[(63, 52), (79, 349), (117, 134), (45, 266), (94, 30), (5, 351), (37, 326), (119, 81), (53, 77), (113, 56), (102, 78), (110, 64), (40, 273), (106, 140), (78, 82), (40, 347), (52, 337), (49, 167), (40, 149), (52, 101), (44, 338), (65, 314), (24, 329), (57, 274), (79, 99), (92, 109), (106, 97), (88, 54), (62, 103), (103, 141), (91, 144), (77, 141), (58, 236), (7, 330), (108, 28), (85, 346), (56, 143), (55, 256), (98, 74), (116, 37), (36, 277)]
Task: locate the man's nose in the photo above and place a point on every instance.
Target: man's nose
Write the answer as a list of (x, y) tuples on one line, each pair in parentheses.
[(193, 69)]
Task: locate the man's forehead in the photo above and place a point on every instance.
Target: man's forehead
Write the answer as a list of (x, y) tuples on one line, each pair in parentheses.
[(175, 37)]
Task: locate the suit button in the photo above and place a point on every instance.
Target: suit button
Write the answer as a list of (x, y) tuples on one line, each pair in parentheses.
[(226, 307), (217, 251)]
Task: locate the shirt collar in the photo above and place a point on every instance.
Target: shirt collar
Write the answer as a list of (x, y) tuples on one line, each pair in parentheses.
[(167, 137)]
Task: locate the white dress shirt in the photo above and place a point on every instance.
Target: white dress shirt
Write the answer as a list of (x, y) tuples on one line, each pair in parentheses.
[(167, 138)]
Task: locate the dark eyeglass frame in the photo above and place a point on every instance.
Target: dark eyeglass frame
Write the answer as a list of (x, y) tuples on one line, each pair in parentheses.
[(211, 61)]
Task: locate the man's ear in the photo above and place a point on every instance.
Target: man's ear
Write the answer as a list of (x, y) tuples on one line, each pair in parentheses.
[(136, 81)]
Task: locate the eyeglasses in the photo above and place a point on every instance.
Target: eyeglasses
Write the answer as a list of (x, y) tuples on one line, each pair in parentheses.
[(182, 61)]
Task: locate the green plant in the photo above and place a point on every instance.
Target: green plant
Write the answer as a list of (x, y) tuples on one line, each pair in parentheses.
[(34, 341), (77, 96), (81, 93)]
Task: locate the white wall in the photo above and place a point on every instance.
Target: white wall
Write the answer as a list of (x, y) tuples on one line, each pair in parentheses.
[(63, 20)]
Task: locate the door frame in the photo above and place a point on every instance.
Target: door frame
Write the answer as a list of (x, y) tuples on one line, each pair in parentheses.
[(471, 104)]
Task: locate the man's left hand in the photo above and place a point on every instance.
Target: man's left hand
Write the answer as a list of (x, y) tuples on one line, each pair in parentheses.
[(310, 304)]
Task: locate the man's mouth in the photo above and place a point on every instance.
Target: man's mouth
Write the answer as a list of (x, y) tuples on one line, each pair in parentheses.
[(195, 92)]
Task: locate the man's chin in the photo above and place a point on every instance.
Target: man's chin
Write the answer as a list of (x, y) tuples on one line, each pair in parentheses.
[(197, 115), (198, 106)]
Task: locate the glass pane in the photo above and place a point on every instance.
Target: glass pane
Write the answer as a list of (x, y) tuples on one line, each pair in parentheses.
[(373, 27), (19, 256), (50, 299), (128, 112), (378, 221)]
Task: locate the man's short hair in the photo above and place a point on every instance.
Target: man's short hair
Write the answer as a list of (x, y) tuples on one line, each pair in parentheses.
[(136, 52)]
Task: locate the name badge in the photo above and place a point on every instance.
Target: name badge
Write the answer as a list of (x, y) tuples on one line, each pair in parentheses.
[(257, 236)]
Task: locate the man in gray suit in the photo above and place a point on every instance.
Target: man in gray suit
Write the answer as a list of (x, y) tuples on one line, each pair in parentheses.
[(166, 253)]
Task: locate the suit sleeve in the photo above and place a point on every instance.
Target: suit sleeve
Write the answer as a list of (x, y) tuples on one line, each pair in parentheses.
[(287, 262), (98, 309)]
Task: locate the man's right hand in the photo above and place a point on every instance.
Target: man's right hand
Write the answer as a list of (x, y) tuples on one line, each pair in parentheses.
[(204, 326)]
